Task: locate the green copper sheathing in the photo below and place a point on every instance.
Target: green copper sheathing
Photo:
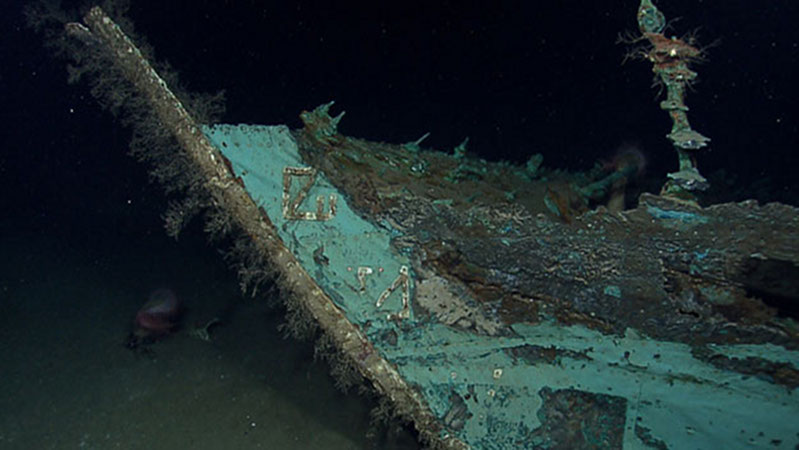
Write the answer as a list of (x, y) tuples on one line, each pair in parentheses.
[(768, 352), (678, 399), (333, 250), (494, 391)]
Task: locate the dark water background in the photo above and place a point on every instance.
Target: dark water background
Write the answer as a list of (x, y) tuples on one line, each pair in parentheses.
[(81, 238)]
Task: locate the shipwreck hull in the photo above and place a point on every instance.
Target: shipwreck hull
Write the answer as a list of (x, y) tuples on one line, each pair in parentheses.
[(487, 305), (613, 330)]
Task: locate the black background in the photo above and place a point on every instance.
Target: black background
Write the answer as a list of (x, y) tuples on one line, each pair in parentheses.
[(518, 78)]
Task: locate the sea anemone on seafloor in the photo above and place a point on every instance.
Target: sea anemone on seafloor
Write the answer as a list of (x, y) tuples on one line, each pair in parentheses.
[(158, 317)]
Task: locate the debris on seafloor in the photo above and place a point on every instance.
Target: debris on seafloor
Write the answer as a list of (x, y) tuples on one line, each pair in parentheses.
[(488, 302), (202, 331)]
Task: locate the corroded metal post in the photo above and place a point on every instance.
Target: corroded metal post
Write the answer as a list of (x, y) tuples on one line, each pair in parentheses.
[(670, 58)]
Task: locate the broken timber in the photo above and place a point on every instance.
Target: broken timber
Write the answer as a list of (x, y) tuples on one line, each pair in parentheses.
[(494, 311)]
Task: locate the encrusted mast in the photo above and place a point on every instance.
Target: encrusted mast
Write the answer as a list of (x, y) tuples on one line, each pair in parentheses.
[(670, 57)]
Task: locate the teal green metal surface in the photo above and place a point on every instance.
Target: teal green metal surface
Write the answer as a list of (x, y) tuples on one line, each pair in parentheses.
[(258, 155), (488, 390)]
